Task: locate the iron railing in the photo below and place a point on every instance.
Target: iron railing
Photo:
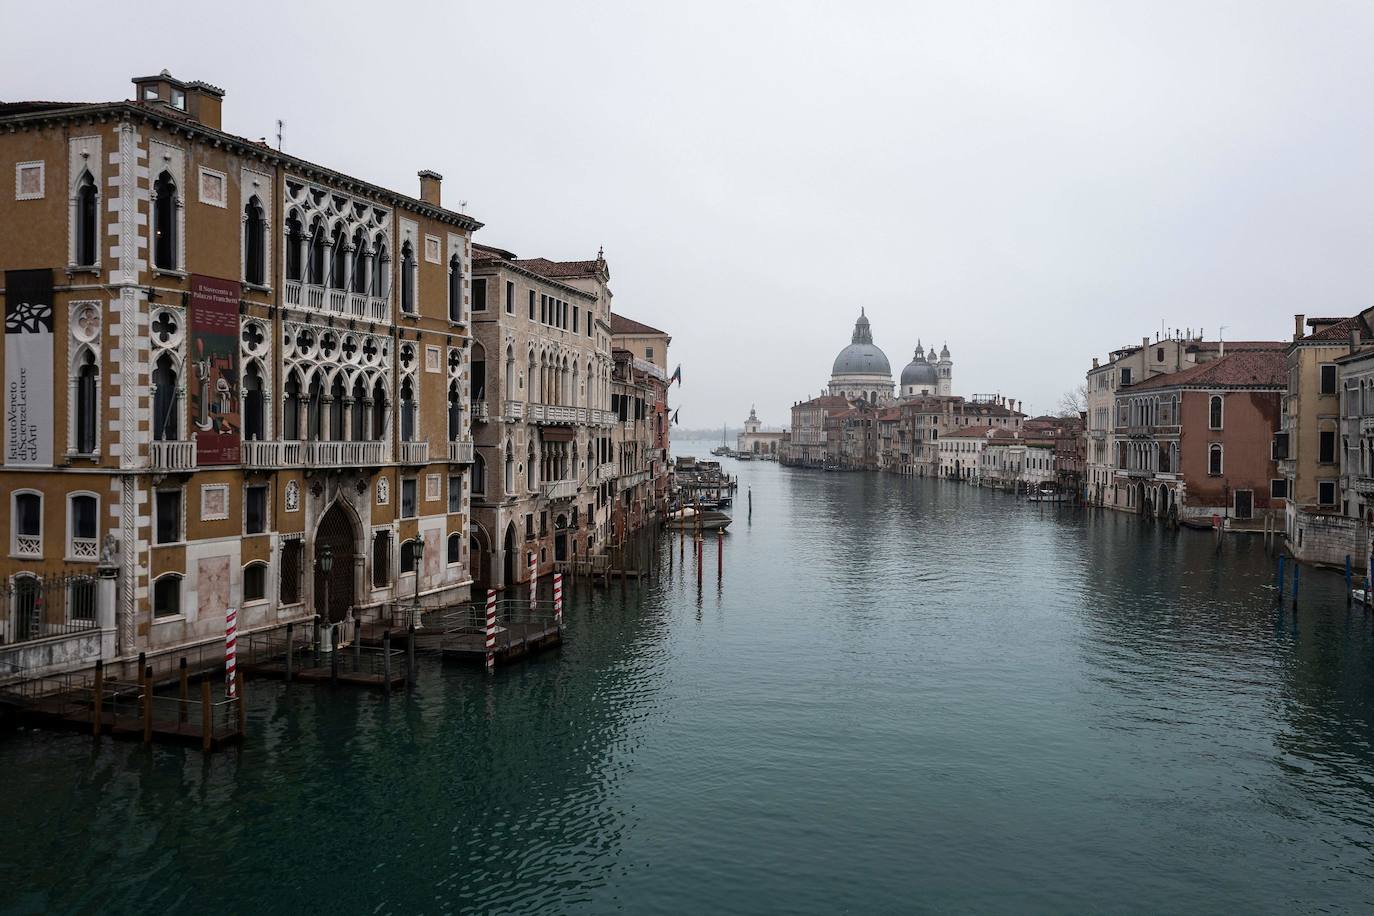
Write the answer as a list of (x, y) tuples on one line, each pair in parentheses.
[(33, 608)]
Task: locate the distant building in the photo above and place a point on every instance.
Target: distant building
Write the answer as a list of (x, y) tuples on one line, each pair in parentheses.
[(755, 440)]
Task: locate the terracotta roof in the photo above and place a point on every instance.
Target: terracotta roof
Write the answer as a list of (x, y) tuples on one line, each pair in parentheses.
[(622, 325), (825, 400), (969, 432), (1339, 330), (482, 252), (562, 269), (1246, 369), (1238, 345), (890, 413)]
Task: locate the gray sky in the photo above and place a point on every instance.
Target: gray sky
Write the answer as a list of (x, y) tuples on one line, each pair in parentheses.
[(1034, 184)]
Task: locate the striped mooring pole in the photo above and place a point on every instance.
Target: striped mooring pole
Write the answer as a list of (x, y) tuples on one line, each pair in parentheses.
[(491, 631), (558, 599), (534, 581), (231, 639)]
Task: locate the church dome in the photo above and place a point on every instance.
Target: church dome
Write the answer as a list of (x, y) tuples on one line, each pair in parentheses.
[(861, 357), (918, 371), (944, 352)]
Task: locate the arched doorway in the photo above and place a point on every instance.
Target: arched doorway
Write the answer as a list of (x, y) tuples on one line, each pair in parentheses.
[(508, 560), (560, 537), (335, 532)]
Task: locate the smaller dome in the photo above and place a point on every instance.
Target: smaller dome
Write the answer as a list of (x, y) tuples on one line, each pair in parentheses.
[(918, 371), (944, 352)]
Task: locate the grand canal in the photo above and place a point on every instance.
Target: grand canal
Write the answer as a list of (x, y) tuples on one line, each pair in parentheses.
[(901, 695)]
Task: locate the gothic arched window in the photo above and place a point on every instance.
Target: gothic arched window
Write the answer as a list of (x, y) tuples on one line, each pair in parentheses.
[(254, 248), (165, 222), (87, 217)]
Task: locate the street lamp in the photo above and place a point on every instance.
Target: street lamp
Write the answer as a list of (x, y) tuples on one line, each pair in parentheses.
[(419, 564), (326, 560)]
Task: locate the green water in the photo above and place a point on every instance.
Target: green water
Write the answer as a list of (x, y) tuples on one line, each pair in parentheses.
[(901, 696)]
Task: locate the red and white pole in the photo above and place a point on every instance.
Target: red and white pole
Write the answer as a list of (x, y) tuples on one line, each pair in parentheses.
[(534, 581), (231, 651), (491, 630), (558, 599)]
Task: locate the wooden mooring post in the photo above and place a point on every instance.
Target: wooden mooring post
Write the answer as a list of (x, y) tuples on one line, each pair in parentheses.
[(242, 710), (207, 716), (148, 705), (183, 691), (98, 697)]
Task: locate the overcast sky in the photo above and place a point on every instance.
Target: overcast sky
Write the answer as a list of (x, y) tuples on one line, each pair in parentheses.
[(1033, 184)]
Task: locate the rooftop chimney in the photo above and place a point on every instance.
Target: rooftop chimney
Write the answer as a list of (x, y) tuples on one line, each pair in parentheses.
[(1094, 362), (1297, 326), (1354, 339), (429, 187)]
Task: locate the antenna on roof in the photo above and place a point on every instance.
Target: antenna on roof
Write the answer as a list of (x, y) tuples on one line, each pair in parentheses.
[(462, 206), (280, 125)]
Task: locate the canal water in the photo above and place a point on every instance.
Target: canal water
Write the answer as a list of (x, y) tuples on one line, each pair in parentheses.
[(901, 695)]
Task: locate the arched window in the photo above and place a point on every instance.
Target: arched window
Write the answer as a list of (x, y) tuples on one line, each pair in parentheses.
[(316, 267), (407, 410), (167, 595), (533, 378), (455, 413), (408, 279), (28, 607), (165, 425), (477, 374), (255, 581), (510, 470), (337, 419), (86, 375), (455, 288), (291, 408), (338, 267), (510, 374), (87, 219), (1214, 459), (314, 397), (360, 262), (294, 238), (357, 419), (254, 243), (407, 557), (28, 524), (83, 526), (379, 403), (455, 548), (254, 427), (531, 475), (381, 559), (165, 222), (1214, 412), (381, 267), (479, 474)]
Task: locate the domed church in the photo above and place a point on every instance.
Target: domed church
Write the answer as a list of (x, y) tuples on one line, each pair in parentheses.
[(926, 375), (862, 370)]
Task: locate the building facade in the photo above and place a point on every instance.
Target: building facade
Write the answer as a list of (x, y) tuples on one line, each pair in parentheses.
[(223, 365)]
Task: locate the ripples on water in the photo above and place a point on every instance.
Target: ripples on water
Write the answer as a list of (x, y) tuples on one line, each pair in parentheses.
[(903, 695)]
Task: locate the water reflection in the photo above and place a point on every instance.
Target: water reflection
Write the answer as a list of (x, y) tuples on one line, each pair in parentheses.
[(895, 694)]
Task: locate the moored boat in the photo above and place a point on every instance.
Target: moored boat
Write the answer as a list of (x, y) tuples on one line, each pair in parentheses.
[(705, 519)]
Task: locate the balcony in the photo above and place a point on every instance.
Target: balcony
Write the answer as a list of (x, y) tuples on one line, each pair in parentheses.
[(414, 453), (556, 415), (343, 454), (271, 454), (514, 410), (314, 298), (376, 308), (534, 413), (357, 305), (559, 489), (172, 456), (605, 472), (460, 451), (634, 479), (479, 412), (654, 454), (293, 292), (1364, 485), (336, 301), (1366, 425)]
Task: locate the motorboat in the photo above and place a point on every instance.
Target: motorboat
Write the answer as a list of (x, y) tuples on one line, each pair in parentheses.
[(744, 456), (1046, 494), (705, 519)]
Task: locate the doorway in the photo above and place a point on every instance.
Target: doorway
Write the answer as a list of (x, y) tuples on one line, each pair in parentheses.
[(336, 533)]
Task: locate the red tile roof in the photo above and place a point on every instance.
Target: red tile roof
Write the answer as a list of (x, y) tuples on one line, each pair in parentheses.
[(969, 432), (561, 270), (1337, 331), (622, 325), (1246, 369)]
